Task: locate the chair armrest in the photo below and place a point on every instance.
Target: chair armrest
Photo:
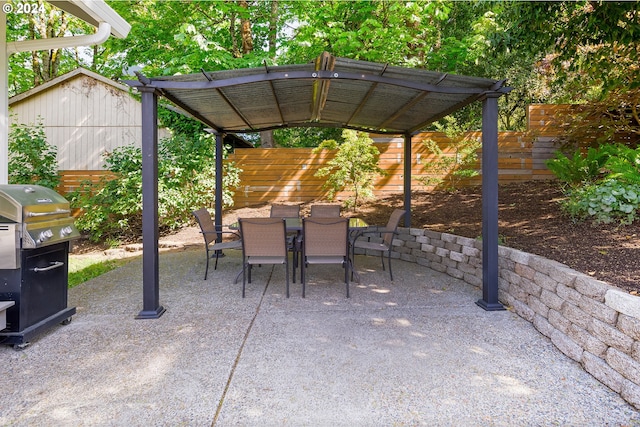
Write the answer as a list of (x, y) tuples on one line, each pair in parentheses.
[(221, 232)]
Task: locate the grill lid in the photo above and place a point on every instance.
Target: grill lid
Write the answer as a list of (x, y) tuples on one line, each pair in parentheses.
[(31, 203), (43, 216)]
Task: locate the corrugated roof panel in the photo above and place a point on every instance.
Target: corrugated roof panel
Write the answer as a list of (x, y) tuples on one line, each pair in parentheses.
[(353, 93)]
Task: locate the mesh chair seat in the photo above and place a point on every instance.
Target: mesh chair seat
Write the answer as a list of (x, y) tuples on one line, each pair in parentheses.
[(264, 241), (325, 241)]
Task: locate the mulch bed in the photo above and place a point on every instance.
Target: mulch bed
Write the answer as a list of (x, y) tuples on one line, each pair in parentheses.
[(530, 219)]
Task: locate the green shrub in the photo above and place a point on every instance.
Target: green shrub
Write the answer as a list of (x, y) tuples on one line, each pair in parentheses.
[(605, 202), (579, 169), (31, 159), (112, 210)]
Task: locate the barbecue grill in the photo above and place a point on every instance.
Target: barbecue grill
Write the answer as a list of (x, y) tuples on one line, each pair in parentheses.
[(36, 228)]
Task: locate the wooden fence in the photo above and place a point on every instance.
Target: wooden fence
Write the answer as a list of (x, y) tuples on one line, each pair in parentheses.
[(71, 180), (288, 174)]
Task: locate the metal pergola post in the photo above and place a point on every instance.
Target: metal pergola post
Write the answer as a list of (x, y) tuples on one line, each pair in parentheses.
[(150, 260), (489, 299), (218, 203), (407, 180)]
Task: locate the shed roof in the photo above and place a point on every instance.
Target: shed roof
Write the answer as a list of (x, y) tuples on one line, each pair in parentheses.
[(327, 92)]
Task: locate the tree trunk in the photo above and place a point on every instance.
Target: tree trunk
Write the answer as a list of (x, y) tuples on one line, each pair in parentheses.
[(245, 29), (273, 28), (266, 139)]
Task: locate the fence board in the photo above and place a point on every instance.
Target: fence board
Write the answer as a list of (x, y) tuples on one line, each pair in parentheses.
[(288, 174)]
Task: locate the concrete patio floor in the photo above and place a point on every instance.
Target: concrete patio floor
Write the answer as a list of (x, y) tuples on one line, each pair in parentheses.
[(416, 351)]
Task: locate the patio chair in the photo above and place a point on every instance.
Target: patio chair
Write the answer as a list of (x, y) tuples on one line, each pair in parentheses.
[(325, 211), (325, 241), (293, 244), (386, 235), (285, 211), (264, 241), (211, 237)]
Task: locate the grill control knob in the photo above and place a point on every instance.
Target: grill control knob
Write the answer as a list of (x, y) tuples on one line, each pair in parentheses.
[(64, 232), (45, 235)]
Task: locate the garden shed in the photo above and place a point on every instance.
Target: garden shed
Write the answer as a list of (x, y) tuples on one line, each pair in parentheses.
[(84, 115), (329, 92)]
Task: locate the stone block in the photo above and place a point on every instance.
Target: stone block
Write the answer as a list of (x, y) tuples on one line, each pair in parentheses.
[(448, 262), (454, 272), (630, 326), (428, 248), (568, 294), (408, 258), (438, 267), (538, 306), (473, 280), (566, 345), (467, 268), (631, 393), (624, 364), (587, 341), (562, 274), (519, 256), (416, 232), (422, 239), (590, 287), (523, 310), (471, 251), (457, 256), (635, 352), (450, 238), (524, 271), (510, 276), (437, 243), (423, 262), (575, 315), (602, 371), (551, 300), (530, 287), (517, 292), (558, 321), (623, 302), (611, 336), (466, 241), (432, 234), (453, 247), (412, 245), (598, 310), (543, 325), (545, 281), (444, 253)]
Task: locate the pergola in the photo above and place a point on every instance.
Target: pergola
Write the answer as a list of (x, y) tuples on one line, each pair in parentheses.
[(328, 92)]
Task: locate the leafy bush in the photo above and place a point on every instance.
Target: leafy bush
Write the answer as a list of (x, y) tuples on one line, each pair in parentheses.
[(604, 183), (186, 181), (605, 202), (31, 159), (579, 170), (353, 168)]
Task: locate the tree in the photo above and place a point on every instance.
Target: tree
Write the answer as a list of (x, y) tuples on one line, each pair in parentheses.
[(353, 168)]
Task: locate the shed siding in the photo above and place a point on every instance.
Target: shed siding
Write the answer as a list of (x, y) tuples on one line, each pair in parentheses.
[(83, 118)]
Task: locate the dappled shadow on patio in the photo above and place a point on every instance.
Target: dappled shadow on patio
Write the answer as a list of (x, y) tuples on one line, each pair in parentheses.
[(413, 351)]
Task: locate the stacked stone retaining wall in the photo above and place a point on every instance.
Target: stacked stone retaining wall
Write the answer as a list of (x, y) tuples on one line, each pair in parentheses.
[(590, 321)]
